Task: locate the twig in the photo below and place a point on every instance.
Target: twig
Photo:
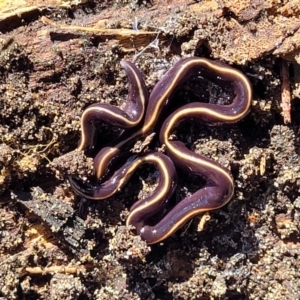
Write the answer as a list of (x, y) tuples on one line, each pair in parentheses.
[(118, 33), (53, 269)]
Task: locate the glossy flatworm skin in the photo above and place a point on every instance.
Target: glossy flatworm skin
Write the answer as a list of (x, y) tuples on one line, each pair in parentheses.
[(130, 117), (219, 187)]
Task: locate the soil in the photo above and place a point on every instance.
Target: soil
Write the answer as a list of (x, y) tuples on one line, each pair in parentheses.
[(57, 58)]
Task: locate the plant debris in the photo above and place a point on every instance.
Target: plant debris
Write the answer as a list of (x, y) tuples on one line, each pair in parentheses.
[(58, 57)]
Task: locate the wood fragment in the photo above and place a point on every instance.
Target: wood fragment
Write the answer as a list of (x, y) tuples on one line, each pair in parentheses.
[(285, 92), (129, 39), (118, 33), (53, 269), (203, 220)]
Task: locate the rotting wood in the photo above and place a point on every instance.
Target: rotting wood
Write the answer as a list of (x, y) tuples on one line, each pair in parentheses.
[(129, 39), (285, 93)]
